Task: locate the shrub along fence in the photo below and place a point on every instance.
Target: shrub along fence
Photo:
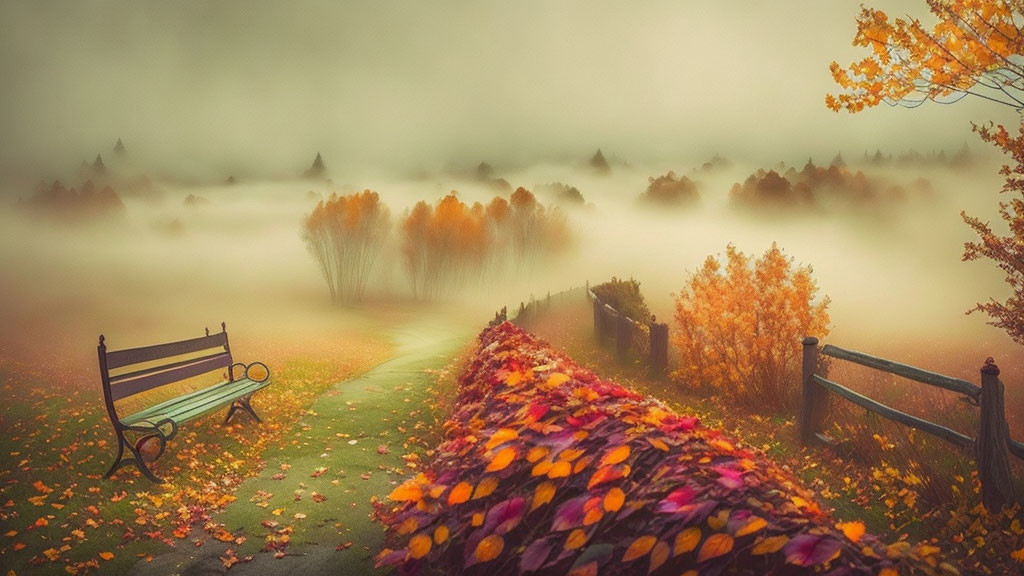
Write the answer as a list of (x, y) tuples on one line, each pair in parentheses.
[(991, 448), (647, 341)]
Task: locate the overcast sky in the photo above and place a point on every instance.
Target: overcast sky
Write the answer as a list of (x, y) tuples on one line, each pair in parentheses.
[(223, 86)]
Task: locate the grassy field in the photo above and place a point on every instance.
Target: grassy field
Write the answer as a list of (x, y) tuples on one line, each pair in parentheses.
[(60, 516)]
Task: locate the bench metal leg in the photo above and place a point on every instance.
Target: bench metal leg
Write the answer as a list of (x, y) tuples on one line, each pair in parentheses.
[(136, 459), (242, 403)]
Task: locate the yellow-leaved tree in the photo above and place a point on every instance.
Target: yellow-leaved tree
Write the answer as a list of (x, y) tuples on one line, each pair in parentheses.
[(739, 325)]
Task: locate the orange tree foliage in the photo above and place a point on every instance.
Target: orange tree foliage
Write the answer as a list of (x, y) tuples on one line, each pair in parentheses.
[(344, 235), (450, 244), (738, 326), (1007, 251), (973, 49), (547, 469)]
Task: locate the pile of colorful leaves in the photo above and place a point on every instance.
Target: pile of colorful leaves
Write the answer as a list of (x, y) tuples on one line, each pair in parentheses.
[(548, 469)]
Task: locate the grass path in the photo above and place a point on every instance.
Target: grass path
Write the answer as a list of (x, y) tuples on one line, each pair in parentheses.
[(313, 498)]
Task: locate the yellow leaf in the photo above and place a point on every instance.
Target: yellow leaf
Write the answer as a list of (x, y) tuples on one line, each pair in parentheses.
[(407, 491), (485, 487), (577, 538), (500, 437), (753, 525), (277, 511), (658, 556), (615, 456), (614, 499), (543, 494), (640, 547), (715, 546), (852, 530), (419, 545), (502, 459), (489, 548), (687, 540), (460, 493), (718, 521), (441, 534), (769, 545)]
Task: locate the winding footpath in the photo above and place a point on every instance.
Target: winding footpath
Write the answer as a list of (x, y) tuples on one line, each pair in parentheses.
[(346, 449)]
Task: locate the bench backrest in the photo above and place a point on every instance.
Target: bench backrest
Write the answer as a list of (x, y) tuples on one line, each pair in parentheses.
[(184, 359)]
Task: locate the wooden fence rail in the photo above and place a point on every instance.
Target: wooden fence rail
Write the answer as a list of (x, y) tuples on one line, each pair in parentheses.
[(648, 341), (991, 448)]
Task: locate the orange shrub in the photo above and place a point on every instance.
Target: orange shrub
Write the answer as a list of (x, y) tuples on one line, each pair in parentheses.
[(739, 326)]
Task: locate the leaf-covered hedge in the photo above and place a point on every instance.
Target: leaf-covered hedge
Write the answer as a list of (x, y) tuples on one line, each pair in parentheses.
[(547, 469)]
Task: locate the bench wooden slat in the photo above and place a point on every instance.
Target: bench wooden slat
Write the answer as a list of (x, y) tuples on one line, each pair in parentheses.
[(126, 388), (180, 409), (119, 358), (161, 368)]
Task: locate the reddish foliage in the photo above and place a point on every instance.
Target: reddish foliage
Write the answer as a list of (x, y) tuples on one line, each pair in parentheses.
[(606, 481)]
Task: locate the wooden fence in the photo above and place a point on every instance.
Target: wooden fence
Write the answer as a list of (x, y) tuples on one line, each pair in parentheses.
[(632, 339), (991, 448)]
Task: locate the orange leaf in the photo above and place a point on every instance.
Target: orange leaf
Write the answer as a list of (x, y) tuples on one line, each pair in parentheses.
[(687, 540), (543, 494), (485, 487), (889, 572), (658, 556), (441, 534), (753, 525), (560, 470), (460, 493), (769, 545), (640, 547), (502, 459), (419, 545), (853, 530), (536, 453), (577, 538), (614, 499), (615, 456), (489, 548), (107, 555), (556, 379), (500, 437), (659, 444), (407, 491), (715, 546), (478, 519), (542, 468)]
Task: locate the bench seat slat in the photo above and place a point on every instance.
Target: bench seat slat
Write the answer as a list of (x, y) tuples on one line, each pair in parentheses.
[(125, 388), (119, 358), (197, 403)]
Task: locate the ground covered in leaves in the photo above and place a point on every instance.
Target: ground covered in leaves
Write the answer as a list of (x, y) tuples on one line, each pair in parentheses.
[(59, 515), (547, 468)]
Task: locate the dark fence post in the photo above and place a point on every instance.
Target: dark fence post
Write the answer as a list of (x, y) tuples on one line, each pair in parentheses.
[(812, 401), (623, 336), (993, 442), (659, 346)]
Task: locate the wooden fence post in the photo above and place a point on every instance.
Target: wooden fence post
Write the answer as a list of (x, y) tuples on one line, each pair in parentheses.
[(812, 400), (993, 442), (599, 321), (623, 336), (659, 346)]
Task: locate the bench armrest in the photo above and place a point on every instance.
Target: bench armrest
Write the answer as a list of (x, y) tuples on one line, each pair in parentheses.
[(231, 371)]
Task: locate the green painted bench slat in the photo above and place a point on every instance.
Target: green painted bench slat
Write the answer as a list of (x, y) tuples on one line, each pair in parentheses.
[(197, 403)]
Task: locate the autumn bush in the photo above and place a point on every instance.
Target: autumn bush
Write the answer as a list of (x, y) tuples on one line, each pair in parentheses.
[(625, 297), (546, 468), (670, 190), (739, 324), (345, 234)]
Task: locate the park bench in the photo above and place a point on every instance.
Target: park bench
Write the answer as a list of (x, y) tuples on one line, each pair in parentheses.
[(136, 370)]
